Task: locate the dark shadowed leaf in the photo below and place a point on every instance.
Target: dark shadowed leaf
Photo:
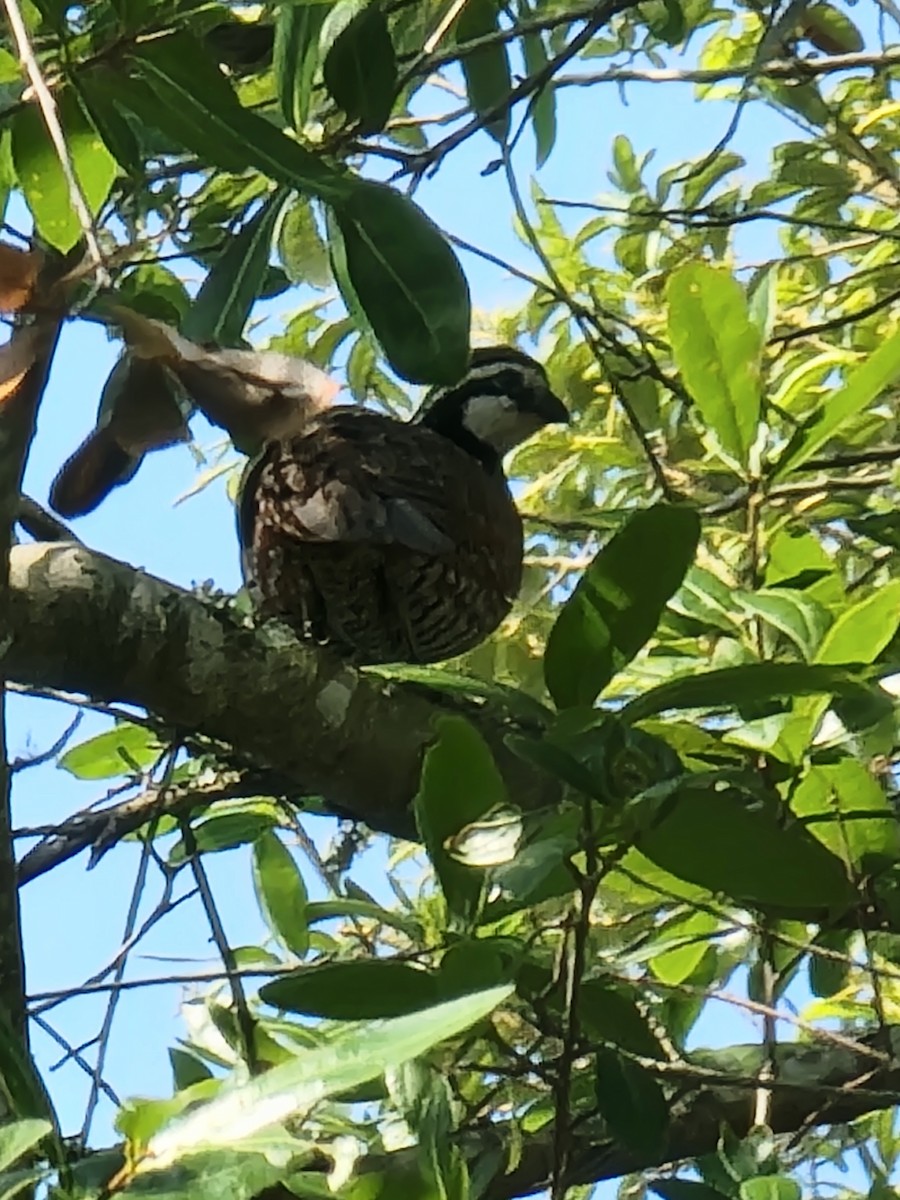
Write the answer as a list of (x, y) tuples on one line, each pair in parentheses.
[(232, 286), (460, 784), (182, 92), (156, 292), (829, 971), (686, 1189), (187, 1069), (296, 54), (118, 751), (360, 69), (631, 1102), (726, 841), (717, 349), (608, 1012), (486, 71), (618, 602), (353, 991), (281, 892), (408, 281), (543, 104)]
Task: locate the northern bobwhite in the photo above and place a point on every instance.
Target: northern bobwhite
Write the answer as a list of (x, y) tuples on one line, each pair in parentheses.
[(396, 541)]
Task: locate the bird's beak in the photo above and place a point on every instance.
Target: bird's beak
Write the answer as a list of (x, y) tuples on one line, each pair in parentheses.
[(552, 410)]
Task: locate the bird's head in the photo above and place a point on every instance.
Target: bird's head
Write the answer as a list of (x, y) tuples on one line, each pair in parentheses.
[(503, 398)]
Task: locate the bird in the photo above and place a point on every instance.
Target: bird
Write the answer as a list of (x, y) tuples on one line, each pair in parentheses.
[(397, 541)]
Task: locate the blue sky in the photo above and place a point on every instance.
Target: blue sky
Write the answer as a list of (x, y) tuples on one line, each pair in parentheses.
[(73, 919)]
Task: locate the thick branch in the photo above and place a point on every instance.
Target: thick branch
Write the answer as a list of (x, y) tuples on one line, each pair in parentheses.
[(820, 1086), (85, 623)]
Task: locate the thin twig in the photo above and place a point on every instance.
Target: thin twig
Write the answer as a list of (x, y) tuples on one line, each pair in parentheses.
[(586, 330), (44, 756), (776, 68), (47, 105), (72, 1055), (245, 1022)]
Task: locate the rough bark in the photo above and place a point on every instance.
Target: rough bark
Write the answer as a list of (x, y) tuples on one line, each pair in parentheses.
[(25, 364), (82, 622)]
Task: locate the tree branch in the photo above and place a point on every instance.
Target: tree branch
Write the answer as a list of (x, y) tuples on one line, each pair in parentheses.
[(83, 622)]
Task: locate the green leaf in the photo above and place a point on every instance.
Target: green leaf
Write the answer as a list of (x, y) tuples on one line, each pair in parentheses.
[(608, 1012), (790, 612), (839, 802), (631, 1103), (18, 1137), (281, 893), (181, 92), (717, 349), (353, 991), (187, 1069), (41, 175), (732, 686), (225, 832), (722, 839), (303, 254), (229, 291), (360, 70), (830, 975), (862, 385), (360, 1053), (618, 603), (296, 56), (831, 30), (672, 30), (155, 292), (109, 121), (861, 632), (486, 71), (13, 1183), (543, 103), (408, 281), (460, 784), (686, 1189), (770, 1187), (366, 910), (25, 1098), (118, 751)]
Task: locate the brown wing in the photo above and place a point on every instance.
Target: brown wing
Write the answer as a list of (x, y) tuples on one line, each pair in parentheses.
[(383, 537)]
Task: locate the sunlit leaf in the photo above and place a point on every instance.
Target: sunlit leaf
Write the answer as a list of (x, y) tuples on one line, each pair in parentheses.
[(862, 384), (717, 348), (41, 174), (121, 750), (358, 1054)]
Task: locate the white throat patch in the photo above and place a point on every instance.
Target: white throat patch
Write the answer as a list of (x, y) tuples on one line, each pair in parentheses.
[(498, 422)]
